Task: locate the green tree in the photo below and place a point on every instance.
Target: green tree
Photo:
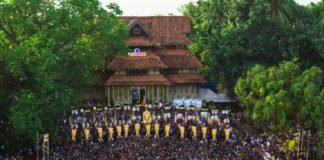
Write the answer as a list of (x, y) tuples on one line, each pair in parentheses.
[(48, 51), (283, 97), (231, 36), (316, 31)]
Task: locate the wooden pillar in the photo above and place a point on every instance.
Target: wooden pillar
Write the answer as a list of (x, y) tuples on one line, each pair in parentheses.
[(119, 93), (154, 93), (190, 91), (128, 94), (115, 94), (162, 93), (122, 94), (148, 92), (168, 94), (112, 94), (107, 94), (151, 93), (158, 94), (161, 97), (145, 95), (125, 94)]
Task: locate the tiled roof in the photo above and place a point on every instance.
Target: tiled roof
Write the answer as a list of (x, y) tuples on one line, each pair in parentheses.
[(135, 22), (163, 30), (118, 80), (145, 62), (181, 61), (186, 78)]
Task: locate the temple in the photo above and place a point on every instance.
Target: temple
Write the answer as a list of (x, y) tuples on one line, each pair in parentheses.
[(160, 68)]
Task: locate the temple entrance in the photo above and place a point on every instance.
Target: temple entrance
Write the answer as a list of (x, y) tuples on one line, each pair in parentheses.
[(142, 95), (138, 94), (134, 95)]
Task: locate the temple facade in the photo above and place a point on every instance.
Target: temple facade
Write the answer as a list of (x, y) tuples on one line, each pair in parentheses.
[(160, 67)]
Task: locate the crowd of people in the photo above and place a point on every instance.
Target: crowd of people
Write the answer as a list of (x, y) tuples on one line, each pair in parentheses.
[(157, 131)]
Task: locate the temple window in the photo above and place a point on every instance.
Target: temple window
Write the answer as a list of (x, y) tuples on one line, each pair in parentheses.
[(171, 71), (153, 71), (137, 72), (120, 72)]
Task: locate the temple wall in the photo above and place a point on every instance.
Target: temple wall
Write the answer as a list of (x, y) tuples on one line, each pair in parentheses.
[(184, 91), (122, 94)]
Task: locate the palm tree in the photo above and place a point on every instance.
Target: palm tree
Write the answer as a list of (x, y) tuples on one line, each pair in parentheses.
[(281, 12)]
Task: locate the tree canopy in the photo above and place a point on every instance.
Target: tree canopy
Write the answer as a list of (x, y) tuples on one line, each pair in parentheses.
[(283, 97), (231, 36), (48, 51)]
